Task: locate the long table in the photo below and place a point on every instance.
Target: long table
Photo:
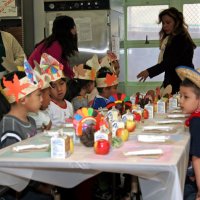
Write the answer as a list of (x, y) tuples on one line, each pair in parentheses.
[(160, 178)]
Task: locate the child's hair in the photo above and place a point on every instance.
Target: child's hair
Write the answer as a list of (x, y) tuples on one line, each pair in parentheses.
[(63, 79), (102, 74), (10, 76), (187, 83), (4, 106), (75, 86)]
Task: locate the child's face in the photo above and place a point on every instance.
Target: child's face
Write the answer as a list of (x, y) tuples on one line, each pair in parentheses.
[(90, 87), (46, 98), (33, 101), (188, 100), (114, 89), (58, 90), (106, 92)]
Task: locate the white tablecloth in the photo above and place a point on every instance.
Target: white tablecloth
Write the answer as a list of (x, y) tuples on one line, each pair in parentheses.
[(160, 178)]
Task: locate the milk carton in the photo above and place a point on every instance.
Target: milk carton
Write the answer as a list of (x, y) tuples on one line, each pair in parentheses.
[(161, 107), (60, 146), (150, 109)]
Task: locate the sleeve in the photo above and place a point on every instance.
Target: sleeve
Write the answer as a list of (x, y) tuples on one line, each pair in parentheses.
[(173, 55), (8, 138), (18, 52), (195, 137)]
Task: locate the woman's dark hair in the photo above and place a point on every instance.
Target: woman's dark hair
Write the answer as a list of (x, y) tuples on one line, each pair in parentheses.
[(61, 32), (180, 26), (188, 83)]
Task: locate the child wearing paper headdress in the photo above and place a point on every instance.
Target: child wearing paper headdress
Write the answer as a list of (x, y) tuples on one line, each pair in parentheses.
[(59, 109), (111, 61), (23, 93), (22, 90), (190, 104), (42, 119), (104, 81), (83, 83)]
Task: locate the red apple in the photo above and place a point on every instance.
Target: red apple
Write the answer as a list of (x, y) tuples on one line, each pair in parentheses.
[(102, 147), (122, 133), (137, 116), (130, 125)]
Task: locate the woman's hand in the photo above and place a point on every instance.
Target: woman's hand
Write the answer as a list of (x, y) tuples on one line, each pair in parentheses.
[(143, 75), (198, 196)]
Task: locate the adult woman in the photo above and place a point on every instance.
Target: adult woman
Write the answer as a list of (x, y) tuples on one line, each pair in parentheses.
[(176, 47), (61, 44)]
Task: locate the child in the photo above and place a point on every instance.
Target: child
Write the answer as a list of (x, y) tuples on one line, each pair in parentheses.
[(59, 109), (104, 81), (42, 119), (23, 93), (82, 83), (190, 103), (24, 96), (111, 61)]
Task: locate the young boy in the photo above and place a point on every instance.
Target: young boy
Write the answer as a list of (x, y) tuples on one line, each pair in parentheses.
[(24, 97), (190, 103), (42, 119), (59, 109), (104, 81)]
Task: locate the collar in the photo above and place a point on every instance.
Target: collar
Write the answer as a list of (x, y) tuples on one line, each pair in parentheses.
[(99, 96), (194, 114)]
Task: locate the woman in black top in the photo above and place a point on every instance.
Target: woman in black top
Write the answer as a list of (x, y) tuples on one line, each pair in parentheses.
[(176, 48)]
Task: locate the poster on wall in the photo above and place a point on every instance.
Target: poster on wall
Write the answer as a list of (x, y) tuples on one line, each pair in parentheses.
[(8, 8)]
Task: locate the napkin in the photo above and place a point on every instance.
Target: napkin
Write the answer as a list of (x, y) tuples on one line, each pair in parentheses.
[(177, 115), (152, 138), (144, 152), (31, 147), (158, 128), (169, 121)]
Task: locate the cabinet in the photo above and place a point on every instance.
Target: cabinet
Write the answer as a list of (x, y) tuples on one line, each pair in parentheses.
[(11, 18)]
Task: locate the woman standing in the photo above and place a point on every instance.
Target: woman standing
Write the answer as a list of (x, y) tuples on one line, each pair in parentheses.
[(176, 48), (61, 44)]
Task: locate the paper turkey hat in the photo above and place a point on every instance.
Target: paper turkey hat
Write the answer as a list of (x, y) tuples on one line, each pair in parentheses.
[(18, 88), (87, 74), (51, 67)]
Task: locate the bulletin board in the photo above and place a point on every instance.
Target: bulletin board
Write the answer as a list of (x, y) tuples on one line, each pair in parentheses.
[(8, 8)]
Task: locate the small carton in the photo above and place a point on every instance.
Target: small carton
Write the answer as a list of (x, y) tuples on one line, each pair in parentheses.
[(150, 109), (60, 146), (116, 125), (161, 107)]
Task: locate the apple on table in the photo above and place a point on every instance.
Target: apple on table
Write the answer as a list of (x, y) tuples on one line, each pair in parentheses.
[(102, 147), (122, 133), (130, 125)]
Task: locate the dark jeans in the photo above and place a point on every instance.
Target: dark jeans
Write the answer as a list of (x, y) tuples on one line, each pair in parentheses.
[(190, 189)]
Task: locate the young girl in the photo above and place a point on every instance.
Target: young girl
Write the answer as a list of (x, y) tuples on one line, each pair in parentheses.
[(59, 109), (190, 104), (81, 85)]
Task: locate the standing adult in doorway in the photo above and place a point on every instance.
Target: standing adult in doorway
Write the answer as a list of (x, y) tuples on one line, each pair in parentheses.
[(176, 48), (61, 44)]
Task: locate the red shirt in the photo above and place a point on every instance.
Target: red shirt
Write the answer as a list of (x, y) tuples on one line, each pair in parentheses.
[(54, 50)]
